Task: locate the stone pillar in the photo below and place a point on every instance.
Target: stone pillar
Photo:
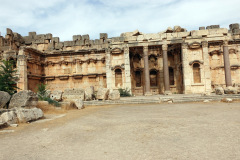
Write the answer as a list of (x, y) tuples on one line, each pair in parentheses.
[(186, 69), (22, 83), (108, 69), (206, 67), (127, 72), (227, 67), (146, 71), (165, 70)]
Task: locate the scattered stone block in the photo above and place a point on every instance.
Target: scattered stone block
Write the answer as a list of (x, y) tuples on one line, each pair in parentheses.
[(70, 94), (234, 26), (102, 93), (25, 99), (89, 93), (4, 98), (27, 115), (227, 100), (9, 117), (219, 91), (206, 101), (230, 90), (114, 95), (79, 103), (56, 95)]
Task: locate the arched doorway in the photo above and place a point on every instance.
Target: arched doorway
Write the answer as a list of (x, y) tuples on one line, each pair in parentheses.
[(118, 78)]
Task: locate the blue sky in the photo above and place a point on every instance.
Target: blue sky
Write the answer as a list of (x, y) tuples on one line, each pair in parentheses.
[(65, 18)]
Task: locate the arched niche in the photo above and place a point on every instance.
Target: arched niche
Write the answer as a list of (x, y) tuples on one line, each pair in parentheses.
[(118, 77)]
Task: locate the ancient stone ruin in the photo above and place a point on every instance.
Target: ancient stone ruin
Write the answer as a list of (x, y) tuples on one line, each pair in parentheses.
[(172, 61)]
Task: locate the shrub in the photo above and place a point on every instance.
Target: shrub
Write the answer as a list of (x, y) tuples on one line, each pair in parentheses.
[(42, 95), (8, 81), (124, 92)]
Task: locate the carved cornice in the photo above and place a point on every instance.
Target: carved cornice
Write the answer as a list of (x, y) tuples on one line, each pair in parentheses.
[(232, 51), (122, 66)]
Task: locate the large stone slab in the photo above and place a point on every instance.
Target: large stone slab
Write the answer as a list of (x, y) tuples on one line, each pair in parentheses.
[(231, 90), (114, 95), (24, 99), (70, 94), (102, 93), (89, 93), (4, 98), (56, 95), (27, 115), (9, 117)]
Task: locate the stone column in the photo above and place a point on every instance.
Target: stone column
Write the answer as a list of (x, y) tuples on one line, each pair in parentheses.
[(146, 71), (186, 69), (22, 83), (227, 67), (127, 72), (165, 70), (108, 69), (206, 67)]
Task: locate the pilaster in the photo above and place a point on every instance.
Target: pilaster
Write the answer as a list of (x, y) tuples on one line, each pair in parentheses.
[(207, 71), (127, 71)]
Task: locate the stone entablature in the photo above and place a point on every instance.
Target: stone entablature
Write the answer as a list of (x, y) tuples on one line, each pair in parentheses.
[(175, 60)]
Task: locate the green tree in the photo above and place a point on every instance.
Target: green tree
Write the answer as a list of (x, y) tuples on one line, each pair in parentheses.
[(8, 79)]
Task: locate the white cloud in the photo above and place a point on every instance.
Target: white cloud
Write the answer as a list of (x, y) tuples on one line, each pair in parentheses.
[(65, 18)]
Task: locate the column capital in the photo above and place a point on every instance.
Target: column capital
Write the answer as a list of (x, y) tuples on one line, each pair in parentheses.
[(204, 44), (164, 47), (184, 45), (145, 47), (225, 43)]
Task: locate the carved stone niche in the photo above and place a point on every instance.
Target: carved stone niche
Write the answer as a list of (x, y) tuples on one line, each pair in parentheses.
[(77, 76), (63, 77), (116, 51), (218, 52), (194, 45), (196, 61), (122, 66)]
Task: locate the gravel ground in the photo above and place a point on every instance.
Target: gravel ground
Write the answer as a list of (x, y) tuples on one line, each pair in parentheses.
[(130, 132)]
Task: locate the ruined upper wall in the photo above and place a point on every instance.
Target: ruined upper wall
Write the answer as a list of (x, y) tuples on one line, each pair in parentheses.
[(49, 44)]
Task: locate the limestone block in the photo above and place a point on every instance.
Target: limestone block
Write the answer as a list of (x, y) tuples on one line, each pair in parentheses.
[(230, 90), (26, 115), (69, 43), (152, 36), (220, 31), (183, 34), (97, 41), (56, 39), (219, 90), (236, 31), (25, 99), (70, 94), (48, 36), (169, 30), (39, 41), (102, 93), (59, 45), (32, 34), (85, 37), (89, 93), (177, 29), (79, 103), (213, 27), (199, 33), (40, 36), (77, 37), (234, 26), (103, 35), (4, 98), (79, 43), (227, 100), (9, 117), (9, 31), (114, 95), (202, 28), (56, 95)]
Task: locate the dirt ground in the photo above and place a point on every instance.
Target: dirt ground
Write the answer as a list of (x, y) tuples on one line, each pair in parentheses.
[(129, 132)]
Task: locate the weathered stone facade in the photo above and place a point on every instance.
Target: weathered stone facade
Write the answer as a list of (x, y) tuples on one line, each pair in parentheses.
[(172, 61)]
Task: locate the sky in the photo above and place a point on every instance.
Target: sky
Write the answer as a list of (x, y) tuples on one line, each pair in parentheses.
[(65, 18)]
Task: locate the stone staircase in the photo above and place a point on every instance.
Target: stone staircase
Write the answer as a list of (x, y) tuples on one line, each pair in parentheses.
[(175, 98)]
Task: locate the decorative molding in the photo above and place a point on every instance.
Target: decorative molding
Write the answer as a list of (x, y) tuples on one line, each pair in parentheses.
[(195, 61), (194, 45), (122, 66), (218, 52), (232, 51), (117, 50), (63, 77)]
